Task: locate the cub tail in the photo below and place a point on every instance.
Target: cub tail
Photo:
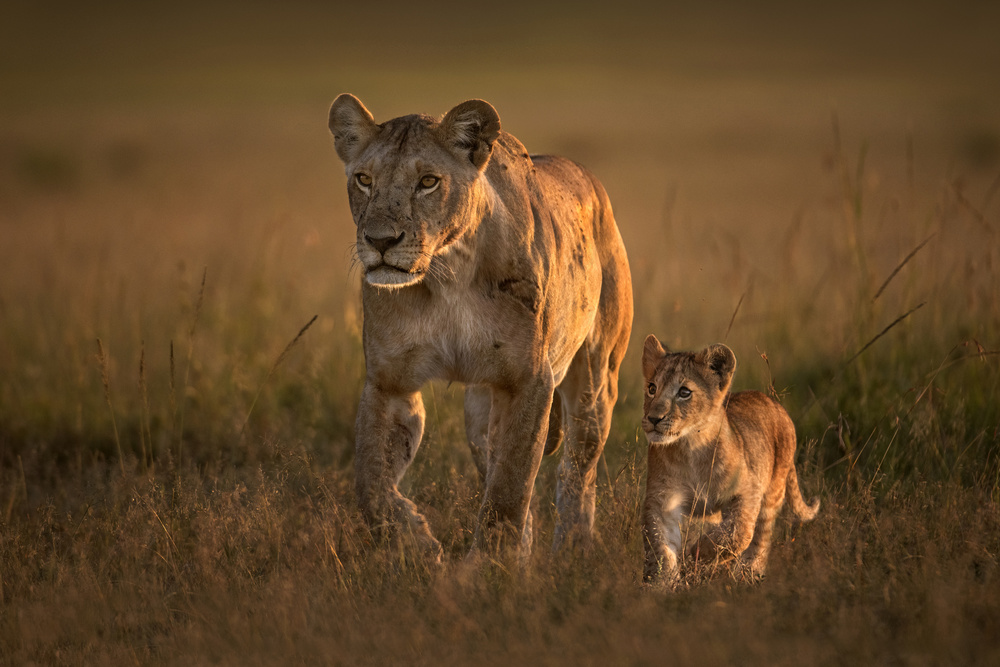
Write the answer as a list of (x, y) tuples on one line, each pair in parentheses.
[(801, 511)]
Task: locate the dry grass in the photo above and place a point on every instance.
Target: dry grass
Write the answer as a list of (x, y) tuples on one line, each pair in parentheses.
[(274, 565), (186, 496)]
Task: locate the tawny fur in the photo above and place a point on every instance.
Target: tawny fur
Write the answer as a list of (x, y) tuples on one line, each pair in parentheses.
[(711, 451), (486, 266)]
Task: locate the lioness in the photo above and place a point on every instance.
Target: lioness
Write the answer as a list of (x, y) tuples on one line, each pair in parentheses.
[(487, 266), (709, 451)]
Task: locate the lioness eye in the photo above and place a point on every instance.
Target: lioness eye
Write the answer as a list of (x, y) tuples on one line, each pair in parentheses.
[(428, 182), (364, 180), (651, 388), (683, 392)]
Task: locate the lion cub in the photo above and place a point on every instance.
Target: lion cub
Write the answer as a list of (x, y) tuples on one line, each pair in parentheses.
[(711, 451)]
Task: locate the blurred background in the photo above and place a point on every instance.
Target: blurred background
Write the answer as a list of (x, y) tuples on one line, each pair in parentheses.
[(815, 184), (770, 164)]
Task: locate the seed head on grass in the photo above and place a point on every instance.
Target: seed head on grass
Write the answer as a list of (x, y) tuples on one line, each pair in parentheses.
[(770, 378)]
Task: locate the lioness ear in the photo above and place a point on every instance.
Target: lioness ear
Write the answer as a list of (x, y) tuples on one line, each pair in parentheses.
[(652, 353), (721, 361), (470, 129), (352, 126)]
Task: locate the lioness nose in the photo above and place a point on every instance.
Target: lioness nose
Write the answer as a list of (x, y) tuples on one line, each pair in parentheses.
[(383, 243), (654, 420)]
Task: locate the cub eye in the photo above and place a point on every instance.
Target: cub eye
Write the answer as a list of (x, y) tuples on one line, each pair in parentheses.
[(683, 392), (428, 182), (364, 180), (651, 389)]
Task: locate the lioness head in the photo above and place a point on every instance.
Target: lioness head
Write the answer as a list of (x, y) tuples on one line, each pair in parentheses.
[(411, 182), (684, 390)]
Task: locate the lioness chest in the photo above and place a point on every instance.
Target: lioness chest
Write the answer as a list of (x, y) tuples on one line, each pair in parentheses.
[(482, 335), (504, 305)]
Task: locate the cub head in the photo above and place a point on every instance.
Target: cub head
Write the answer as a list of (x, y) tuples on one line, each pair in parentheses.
[(684, 390), (412, 183)]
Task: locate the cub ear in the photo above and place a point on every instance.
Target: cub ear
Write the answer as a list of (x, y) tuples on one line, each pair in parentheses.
[(470, 129), (352, 126), (652, 353), (721, 361)]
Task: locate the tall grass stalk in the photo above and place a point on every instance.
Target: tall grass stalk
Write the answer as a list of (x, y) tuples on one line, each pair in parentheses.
[(145, 433), (770, 378), (899, 266), (884, 332), (187, 364), (21, 487), (853, 193), (173, 395), (971, 208), (735, 313), (882, 460), (981, 353), (106, 380), (270, 372)]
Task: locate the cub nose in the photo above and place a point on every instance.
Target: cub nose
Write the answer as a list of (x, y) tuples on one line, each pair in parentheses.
[(383, 243), (654, 420)]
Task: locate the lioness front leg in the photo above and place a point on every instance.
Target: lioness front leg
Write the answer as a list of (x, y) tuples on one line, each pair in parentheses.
[(389, 428), (518, 428), (590, 396), (478, 402)]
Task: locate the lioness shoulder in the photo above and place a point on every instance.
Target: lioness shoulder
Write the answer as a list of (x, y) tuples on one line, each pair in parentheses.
[(710, 451)]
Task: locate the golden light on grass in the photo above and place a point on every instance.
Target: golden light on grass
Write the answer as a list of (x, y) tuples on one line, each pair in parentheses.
[(859, 254)]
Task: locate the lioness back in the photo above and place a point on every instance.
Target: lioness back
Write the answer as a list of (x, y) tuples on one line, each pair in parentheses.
[(715, 451)]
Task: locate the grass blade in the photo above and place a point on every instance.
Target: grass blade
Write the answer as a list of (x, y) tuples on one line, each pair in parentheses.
[(735, 312), (187, 363), (885, 331), (102, 359), (274, 367), (900, 266)]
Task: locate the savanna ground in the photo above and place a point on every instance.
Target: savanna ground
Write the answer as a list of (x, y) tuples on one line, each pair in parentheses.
[(819, 191)]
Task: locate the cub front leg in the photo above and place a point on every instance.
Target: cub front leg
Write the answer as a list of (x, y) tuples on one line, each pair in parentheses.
[(389, 428), (733, 535), (661, 533), (662, 513)]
